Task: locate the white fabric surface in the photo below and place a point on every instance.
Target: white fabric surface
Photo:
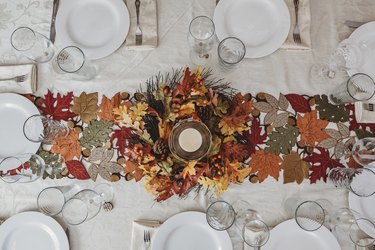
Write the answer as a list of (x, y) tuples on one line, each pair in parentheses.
[(28, 86), (283, 71), (139, 227)]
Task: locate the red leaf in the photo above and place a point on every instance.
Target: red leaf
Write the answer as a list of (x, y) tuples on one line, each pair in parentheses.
[(298, 103), (234, 151), (353, 124), (58, 108), (254, 137), (320, 164), (77, 169), (122, 136)]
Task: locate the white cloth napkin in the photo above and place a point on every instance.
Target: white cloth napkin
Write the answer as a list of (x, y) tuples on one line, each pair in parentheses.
[(362, 115), (139, 226), (148, 20), (304, 23), (28, 86)]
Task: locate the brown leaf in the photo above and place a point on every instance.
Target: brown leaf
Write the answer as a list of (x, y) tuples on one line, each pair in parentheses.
[(107, 106), (340, 149), (86, 106), (93, 172), (295, 169), (280, 120), (311, 128), (264, 107), (327, 143), (272, 100), (270, 117), (344, 130), (283, 102), (133, 167), (265, 164), (333, 133), (68, 147)]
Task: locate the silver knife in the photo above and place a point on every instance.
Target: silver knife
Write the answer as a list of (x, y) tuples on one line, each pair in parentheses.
[(52, 33), (353, 24)]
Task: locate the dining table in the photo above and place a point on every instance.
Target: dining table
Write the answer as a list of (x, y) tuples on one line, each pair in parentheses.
[(126, 70)]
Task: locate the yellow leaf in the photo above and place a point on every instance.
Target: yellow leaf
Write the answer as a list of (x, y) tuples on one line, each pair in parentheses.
[(186, 109), (86, 106), (238, 171), (138, 111), (206, 182), (189, 169)]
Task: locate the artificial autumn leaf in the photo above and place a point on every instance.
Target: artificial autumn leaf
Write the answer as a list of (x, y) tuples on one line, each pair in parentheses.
[(68, 147), (242, 107), (283, 102), (352, 163), (280, 120), (237, 171), (105, 168), (134, 168), (320, 164), (187, 82), (298, 103), (231, 124), (55, 166), (189, 169), (264, 107), (354, 125), (186, 109), (329, 111), (120, 138), (295, 169), (77, 169), (255, 136), (282, 140), (96, 133), (311, 128), (86, 106), (272, 100), (107, 105), (139, 111), (265, 165), (58, 108), (235, 151)]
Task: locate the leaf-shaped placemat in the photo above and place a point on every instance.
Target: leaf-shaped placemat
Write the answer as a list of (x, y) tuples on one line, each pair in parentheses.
[(96, 133), (282, 140), (86, 106)]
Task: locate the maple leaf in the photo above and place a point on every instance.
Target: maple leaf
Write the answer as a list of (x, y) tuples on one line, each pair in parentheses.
[(68, 147), (237, 171), (320, 164), (86, 106), (235, 151), (58, 108), (255, 136), (311, 128), (107, 105), (265, 165), (242, 107), (120, 138), (138, 111), (189, 169), (295, 169)]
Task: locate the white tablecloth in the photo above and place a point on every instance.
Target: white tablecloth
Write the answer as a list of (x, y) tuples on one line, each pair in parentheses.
[(125, 70)]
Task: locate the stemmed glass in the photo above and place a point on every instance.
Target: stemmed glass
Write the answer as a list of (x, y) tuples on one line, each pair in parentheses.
[(201, 39), (32, 44), (255, 233)]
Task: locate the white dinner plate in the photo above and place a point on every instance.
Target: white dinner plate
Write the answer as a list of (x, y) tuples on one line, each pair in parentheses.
[(187, 231), (365, 34), (365, 208), (14, 111), (262, 25), (32, 230), (288, 235), (97, 27)]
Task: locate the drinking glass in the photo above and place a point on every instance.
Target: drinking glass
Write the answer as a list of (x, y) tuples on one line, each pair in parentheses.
[(359, 181), (255, 233), (359, 87), (363, 152), (52, 199), (105, 191), (32, 44), (310, 215), (30, 168), (40, 128), (220, 215), (83, 206), (231, 51), (72, 61), (201, 39)]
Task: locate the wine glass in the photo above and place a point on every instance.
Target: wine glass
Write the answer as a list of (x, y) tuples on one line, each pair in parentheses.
[(255, 233), (201, 39), (32, 44), (363, 152)]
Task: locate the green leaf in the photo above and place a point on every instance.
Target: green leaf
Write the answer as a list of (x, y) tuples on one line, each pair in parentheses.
[(53, 165), (282, 140), (363, 133), (96, 133), (331, 112)]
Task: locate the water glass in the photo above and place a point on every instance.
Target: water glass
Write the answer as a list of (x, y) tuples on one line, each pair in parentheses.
[(363, 152), (52, 199), (30, 168), (231, 51), (201, 39), (40, 128), (82, 207), (72, 61), (310, 215), (359, 181), (255, 233), (220, 215), (359, 87), (32, 44)]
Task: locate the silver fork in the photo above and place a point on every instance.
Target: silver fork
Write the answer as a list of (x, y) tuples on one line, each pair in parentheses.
[(296, 32), (146, 239), (369, 106), (138, 31), (20, 78)]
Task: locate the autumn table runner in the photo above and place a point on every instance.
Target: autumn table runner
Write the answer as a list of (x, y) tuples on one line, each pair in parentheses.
[(254, 137)]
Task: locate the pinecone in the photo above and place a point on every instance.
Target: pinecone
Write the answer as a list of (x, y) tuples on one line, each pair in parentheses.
[(204, 112), (161, 147)]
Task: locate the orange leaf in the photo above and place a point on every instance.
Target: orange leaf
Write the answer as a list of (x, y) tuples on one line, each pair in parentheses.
[(68, 147), (265, 165), (311, 128), (107, 106)]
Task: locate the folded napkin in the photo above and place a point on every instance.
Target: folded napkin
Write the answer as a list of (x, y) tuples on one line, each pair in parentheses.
[(304, 22), (139, 226), (148, 21), (28, 86), (362, 115)]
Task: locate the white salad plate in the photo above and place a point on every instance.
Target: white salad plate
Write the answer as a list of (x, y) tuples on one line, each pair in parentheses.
[(262, 25), (97, 27), (364, 206), (14, 111), (187, 231), (32, 230), (288, 235), (365, 35)]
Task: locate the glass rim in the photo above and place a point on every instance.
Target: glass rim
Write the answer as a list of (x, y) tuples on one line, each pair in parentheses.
[(70, 200), (68, 47), (357, 74), (19, 28), (230, 207), (50, 188), (356, 193), (296, 217), (266, 227), (24, 126), (356, 223), (226, 39), (207, 18)]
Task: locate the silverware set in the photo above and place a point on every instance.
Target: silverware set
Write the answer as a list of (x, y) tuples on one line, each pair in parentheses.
[(146, 239), (138, 31), (296, 32), (20, 78)]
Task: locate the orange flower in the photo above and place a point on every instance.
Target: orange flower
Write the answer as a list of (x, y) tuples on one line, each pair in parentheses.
[(311, 128), (265, 165)]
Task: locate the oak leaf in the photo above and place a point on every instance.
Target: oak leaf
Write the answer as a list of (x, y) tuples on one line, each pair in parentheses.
[(295, 169), (311, 128), (68, 147), (189, 169), (265, 165), (237, 171), (86, 106)]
